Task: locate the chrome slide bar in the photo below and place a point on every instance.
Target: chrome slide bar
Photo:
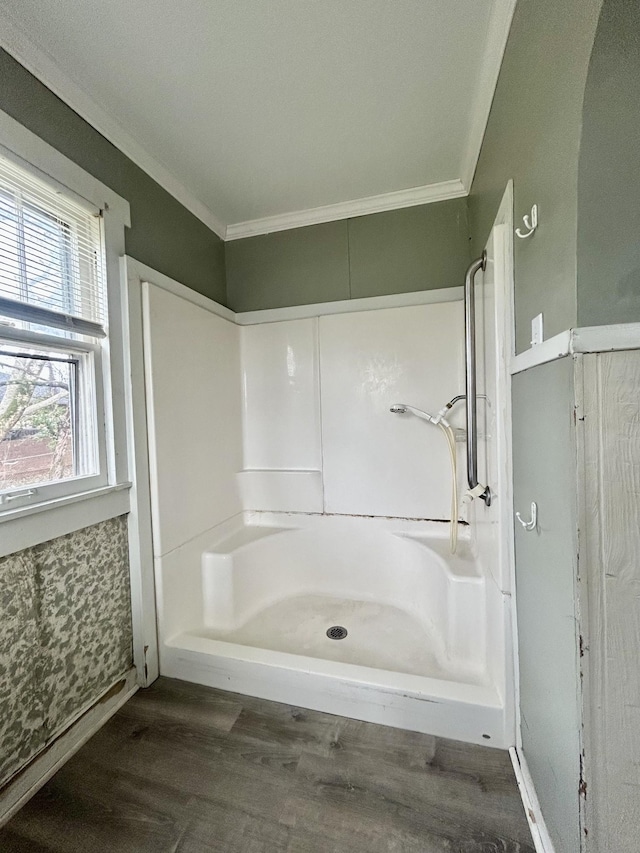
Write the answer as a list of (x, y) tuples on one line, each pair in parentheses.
[(470, 376)]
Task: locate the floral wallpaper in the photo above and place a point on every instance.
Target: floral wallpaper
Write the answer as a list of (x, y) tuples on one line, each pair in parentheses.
[(21, 708), (65, 634)]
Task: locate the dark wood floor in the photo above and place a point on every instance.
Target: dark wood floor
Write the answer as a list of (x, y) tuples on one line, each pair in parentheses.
[(186, 769)]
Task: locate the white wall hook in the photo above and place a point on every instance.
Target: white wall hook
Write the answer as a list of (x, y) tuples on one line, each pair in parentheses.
[(530, 221), (530, 525)]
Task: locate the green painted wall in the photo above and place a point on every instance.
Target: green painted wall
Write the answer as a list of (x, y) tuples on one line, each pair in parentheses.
[(609, 173), (533, 136), (544, 470), (164, 234), (296, 267), (417, 248)]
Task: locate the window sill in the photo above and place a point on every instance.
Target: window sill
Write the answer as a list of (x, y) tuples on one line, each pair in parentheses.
[(26, 526)]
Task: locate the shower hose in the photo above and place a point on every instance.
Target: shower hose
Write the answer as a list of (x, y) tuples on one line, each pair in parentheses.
[(451, 444)]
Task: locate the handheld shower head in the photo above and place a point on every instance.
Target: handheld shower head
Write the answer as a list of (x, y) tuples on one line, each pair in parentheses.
[(402, 408)]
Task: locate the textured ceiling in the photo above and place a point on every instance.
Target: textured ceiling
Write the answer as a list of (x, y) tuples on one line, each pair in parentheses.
[(262, 107)]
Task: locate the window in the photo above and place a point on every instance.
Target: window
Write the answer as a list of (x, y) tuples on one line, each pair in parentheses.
[(53, 341)]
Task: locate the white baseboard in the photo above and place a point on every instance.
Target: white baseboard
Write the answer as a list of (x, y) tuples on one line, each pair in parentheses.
[(30, 779), (539, 832)]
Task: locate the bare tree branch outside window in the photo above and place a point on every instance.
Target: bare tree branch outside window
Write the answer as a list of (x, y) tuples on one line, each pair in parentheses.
[(35, 419)]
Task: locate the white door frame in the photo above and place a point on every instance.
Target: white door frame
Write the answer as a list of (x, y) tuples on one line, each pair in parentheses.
[(505, 328), (143, 591), (502, 233)]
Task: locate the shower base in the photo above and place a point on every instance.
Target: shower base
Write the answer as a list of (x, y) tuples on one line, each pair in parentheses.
[(379, 635), (415, 655), (473, 713)]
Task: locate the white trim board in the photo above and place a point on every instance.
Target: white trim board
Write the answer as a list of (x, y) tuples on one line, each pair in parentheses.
[(348, 306), (623, 336), (37, 773), (605, 338), (539, 832), (501, 240), (348, 209), (65, 515), (143, 595), (556, 347)]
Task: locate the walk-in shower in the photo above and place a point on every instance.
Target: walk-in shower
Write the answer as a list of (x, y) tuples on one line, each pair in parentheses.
[(300, 535)]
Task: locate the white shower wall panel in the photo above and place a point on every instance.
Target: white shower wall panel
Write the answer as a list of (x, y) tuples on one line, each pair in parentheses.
[(281, 398), (192, 366), (375, 462)]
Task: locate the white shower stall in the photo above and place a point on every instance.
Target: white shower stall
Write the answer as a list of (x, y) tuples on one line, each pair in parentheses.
[(288, 500)]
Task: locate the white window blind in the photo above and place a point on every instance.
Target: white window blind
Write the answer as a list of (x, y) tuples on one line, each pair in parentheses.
[(51, 260)]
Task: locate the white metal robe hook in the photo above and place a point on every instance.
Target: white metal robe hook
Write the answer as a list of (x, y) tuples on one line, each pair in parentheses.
[(530, 221), (530, 525)]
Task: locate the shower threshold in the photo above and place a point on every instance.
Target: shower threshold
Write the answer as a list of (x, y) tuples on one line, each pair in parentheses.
[(471, 712)]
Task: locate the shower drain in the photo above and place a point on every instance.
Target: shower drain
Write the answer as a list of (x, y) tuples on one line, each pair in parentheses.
[(337, 632)]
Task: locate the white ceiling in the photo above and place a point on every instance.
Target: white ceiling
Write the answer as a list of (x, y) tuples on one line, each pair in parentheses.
[(248, 109)]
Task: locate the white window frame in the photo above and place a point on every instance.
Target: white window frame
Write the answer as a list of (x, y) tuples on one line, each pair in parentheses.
[(91, 396), (80, 501)]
